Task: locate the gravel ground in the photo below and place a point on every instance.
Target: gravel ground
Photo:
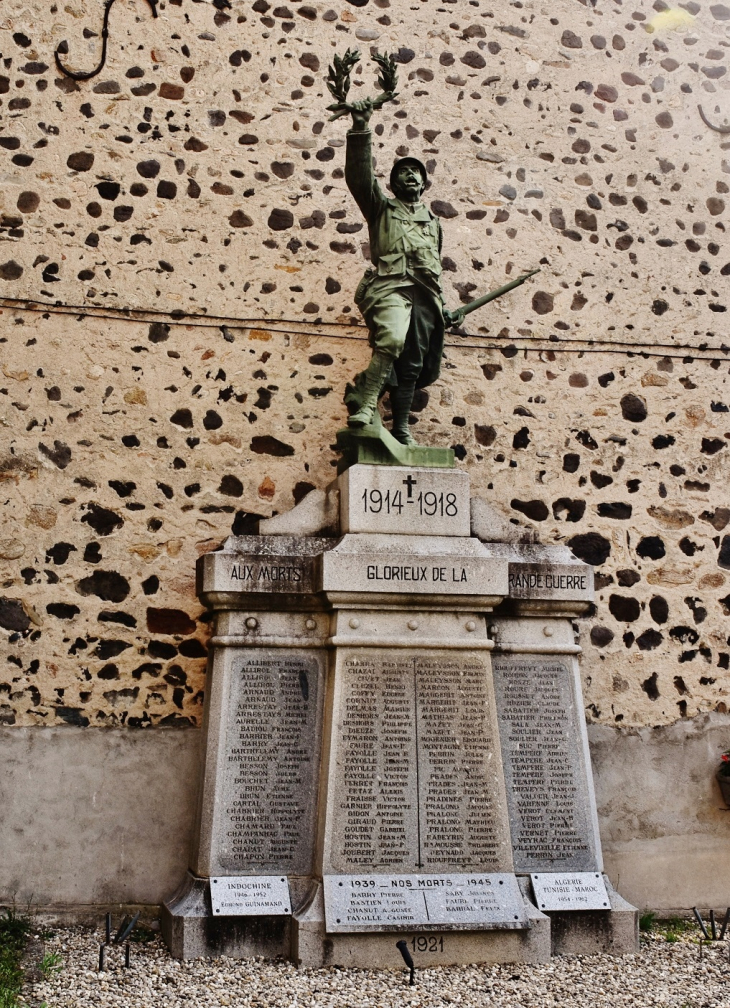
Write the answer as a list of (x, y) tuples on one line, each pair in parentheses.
[(664, 973)]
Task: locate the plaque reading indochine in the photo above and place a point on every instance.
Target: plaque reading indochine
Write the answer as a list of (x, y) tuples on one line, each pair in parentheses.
[(264, 815), (404, 902), (250, 895), (416, 781), (544, 764)]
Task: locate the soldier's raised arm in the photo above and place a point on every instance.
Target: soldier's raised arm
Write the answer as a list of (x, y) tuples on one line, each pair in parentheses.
[(359, 173)]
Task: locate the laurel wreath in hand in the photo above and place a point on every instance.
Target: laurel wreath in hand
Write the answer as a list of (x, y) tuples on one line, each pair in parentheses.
[(338, 81)]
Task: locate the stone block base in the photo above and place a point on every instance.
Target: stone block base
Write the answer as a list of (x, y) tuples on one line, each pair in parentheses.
[(592, 932), (313, 947), (190, 930)]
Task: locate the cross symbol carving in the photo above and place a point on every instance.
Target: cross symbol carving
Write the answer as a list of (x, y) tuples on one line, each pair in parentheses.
[(410, 483)]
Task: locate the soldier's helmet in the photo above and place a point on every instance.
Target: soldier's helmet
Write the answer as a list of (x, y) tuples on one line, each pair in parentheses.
[(408, 161)]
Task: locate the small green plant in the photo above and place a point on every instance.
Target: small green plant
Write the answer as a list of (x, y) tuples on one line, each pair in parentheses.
[(142, 933), (675, 929), (646, 921), (14, 933), (50, 963)]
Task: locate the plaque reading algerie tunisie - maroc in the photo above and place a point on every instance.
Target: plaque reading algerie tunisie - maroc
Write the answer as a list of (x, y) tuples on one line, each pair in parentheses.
[(570, 891)]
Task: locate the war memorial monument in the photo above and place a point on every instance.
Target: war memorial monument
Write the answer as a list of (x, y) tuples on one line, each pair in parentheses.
[(395, 746), (364, 440)]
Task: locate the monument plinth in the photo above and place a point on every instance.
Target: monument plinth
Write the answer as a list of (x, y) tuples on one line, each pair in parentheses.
[(394, 737)]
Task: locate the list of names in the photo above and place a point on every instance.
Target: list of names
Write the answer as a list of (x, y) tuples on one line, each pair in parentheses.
[(415, 783), (264, 820), (544, 764)]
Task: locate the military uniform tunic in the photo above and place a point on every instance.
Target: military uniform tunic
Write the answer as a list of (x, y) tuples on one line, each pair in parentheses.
[(400, 297)]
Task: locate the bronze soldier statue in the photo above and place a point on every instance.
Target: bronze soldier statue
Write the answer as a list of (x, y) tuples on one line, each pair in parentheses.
[(400, 297)]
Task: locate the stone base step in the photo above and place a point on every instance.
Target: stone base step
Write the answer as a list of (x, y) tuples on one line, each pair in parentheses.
[(190, 931)]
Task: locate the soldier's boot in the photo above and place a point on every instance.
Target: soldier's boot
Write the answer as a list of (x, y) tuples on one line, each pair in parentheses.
[(401, 400), (374, 379)]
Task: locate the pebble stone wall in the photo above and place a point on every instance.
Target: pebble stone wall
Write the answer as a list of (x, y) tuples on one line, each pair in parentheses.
[(177, 264)]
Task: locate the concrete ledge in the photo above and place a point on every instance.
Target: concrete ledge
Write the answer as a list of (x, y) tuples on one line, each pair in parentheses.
[(313, 947), (190, 930), (664, 826), (96, 816), (596, 932)]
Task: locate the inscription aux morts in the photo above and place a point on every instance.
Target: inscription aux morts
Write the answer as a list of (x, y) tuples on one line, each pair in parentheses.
[(562, 581), (246, 572)]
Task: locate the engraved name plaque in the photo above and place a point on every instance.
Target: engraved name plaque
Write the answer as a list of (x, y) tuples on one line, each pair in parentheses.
[(410, 501), (544, 764), (250, 895), (426, 902), (415, 778), (570, 891), (265, 807)]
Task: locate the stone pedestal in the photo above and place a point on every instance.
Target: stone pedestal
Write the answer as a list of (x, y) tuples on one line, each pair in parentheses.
[(394, 725), (190, 929), (593, 932), (553, 818)]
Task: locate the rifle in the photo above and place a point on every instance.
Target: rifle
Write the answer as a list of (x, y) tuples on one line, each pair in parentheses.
[(460, 313)]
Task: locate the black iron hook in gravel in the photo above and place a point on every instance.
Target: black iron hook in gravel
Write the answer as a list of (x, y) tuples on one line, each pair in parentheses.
[(88, 74), (708, 937), (402, 947), (124, 931)]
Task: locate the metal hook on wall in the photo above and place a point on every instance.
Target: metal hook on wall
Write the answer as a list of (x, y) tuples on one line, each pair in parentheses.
[(88, 74), (706, 121)]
